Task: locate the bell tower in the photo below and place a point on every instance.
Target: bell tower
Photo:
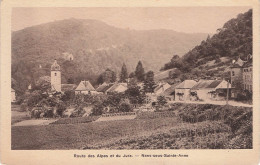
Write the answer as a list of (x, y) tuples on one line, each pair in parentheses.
[(55, 77)]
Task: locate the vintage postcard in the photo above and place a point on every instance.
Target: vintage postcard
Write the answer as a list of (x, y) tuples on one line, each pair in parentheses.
[(147, 82)]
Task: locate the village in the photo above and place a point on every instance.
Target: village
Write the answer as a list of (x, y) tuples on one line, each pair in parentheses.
[(203, 91), (115, 106)]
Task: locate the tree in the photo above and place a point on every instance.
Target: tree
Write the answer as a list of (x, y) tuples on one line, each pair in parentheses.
[(149, 84), (44, 83), (123, 74), (113, 79), (139, 71), (134, 93), (125, 107), (132, 75), (161, 100), (108, 76)]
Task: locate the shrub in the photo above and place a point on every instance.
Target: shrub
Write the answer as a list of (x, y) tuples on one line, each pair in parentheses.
[(79, 112), (125, 107), (48, 113), (34, 98), (24, 107), (161, 100), (60, 109)]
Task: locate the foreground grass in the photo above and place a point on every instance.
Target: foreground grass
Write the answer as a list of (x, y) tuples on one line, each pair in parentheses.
[(18, 115), (77, 136), (184, 126)]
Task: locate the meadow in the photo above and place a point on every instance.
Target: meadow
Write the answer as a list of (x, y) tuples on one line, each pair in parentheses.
[(183, 126)]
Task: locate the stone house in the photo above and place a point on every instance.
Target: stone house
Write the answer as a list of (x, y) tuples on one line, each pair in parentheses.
[(182, 91)]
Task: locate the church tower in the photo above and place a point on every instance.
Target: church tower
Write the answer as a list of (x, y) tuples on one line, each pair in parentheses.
[(55, 77)]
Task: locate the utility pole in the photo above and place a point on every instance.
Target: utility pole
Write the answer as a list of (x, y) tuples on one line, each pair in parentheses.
[(227, 91)]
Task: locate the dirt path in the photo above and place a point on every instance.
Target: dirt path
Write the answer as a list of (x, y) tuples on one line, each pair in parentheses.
[(233, 103), (34, 122)]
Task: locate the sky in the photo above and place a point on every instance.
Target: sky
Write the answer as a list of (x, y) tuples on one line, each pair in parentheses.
[(181, 19)]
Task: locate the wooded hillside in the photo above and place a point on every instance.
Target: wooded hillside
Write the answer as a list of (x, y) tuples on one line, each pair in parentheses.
[(215, 54)]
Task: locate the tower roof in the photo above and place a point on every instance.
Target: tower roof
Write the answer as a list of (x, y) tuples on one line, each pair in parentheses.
[(55, 66)]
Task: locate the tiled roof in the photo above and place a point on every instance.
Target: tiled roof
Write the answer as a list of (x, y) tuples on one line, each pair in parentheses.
[(202, 84), (248, 64), (186, 84), (170, 90), (68, 87), (114, 86), (85, 86), (103, 87), (55, 66)]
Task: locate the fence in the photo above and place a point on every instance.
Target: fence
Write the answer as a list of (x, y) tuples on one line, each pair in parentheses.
[(119, 114)]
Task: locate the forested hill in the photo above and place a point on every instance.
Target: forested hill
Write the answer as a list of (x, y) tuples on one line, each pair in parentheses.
[(215, 54), (95, 46)]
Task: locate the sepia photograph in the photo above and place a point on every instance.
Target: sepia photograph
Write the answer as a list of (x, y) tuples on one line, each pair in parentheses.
[(132, 78)]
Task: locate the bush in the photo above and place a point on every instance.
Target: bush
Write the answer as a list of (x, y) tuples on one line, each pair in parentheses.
[(161, 100), (79, 112), (60, 109), (24, 107), (34, 98), (97, 110), (125, 107), (48, 113)]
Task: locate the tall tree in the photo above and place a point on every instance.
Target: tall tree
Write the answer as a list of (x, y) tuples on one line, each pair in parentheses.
[(134, 93), (123, 74), (108, 76), (139, 71), (149, 84)]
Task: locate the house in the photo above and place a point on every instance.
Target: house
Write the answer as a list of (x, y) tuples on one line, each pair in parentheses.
[(169, 93), (117, 87), (85, 87), (68, 56), (29, 87), (162, 86), (13, 96), (207, 90), (182, 91), (68, 87), (248, 76), (104, 87), (241, 75)]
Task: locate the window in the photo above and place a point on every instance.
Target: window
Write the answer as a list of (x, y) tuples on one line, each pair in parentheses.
[(244, 70), (233, 73), (55, 74), (250, 69)]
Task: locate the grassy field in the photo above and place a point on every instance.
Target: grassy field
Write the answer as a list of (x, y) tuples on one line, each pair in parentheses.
[(185, 126), (18, 115), (77, 136)]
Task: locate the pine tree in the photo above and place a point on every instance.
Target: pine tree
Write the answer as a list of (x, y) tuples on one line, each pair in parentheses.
[(139, 71), (149, 84), (123, 74)]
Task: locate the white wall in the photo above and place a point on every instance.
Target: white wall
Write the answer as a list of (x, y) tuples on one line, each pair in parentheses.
[(56, 81), (185, 97)]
